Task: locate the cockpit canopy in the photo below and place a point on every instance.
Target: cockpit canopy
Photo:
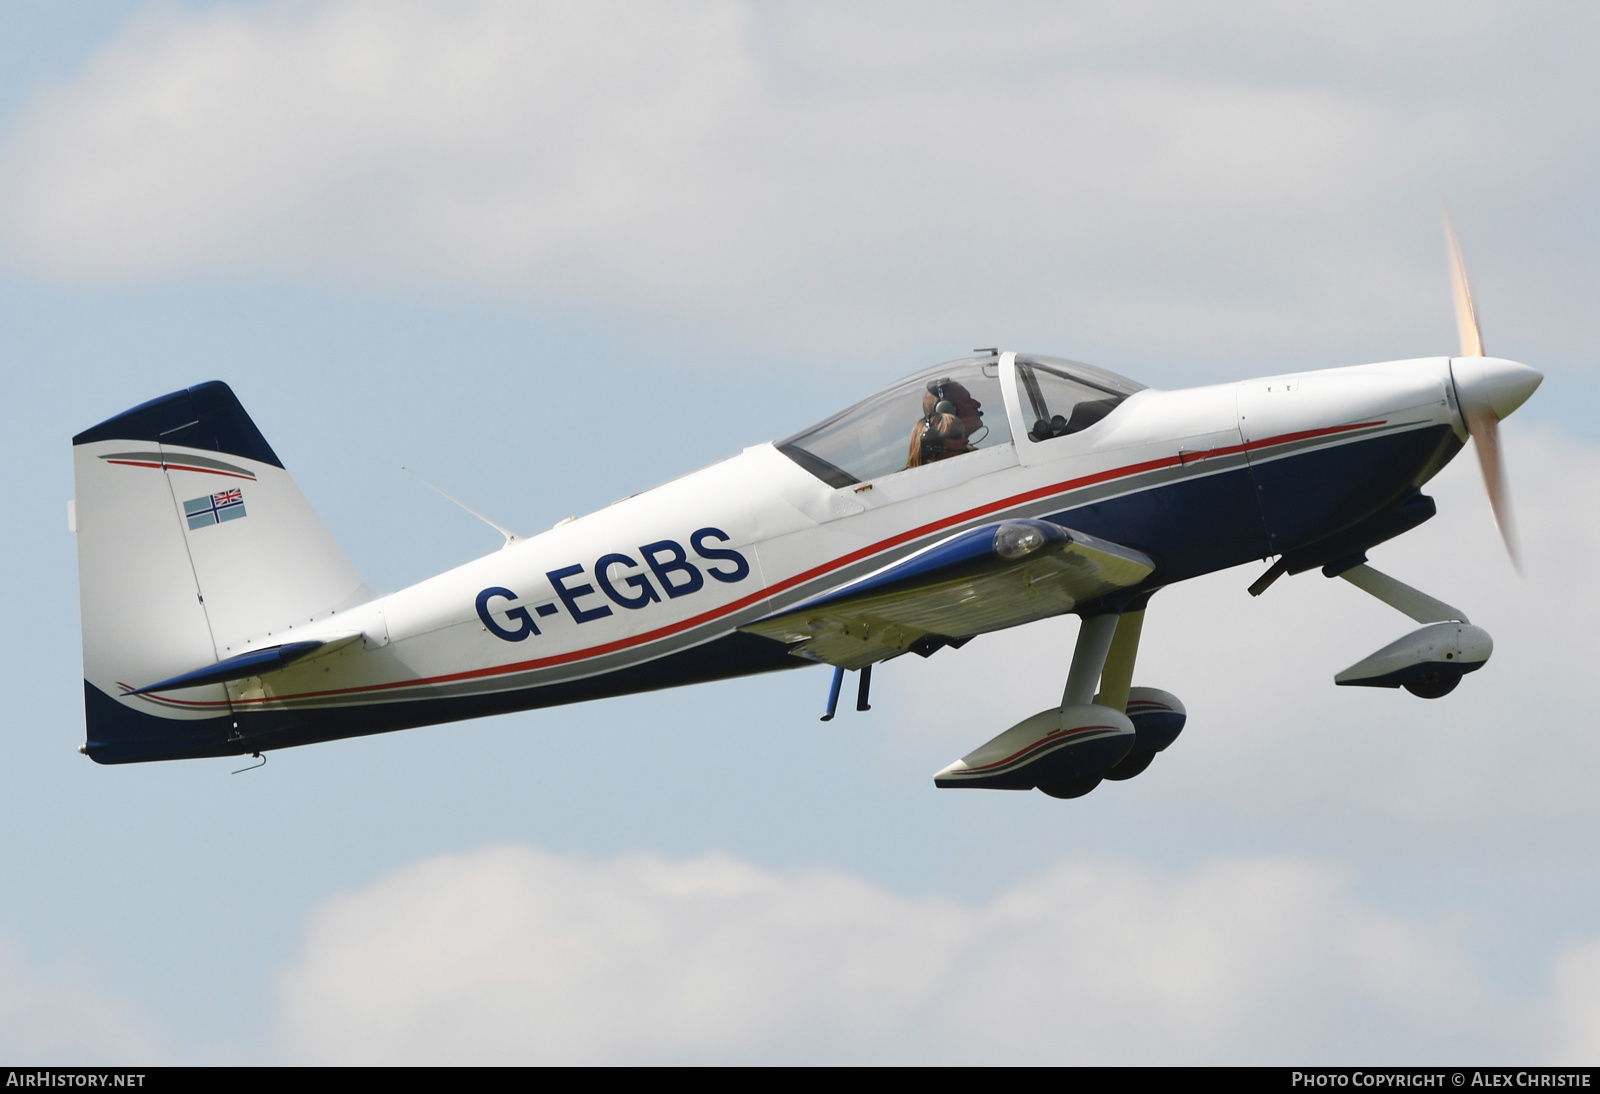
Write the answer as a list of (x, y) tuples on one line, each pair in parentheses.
[(952, 410), (1059, 397)]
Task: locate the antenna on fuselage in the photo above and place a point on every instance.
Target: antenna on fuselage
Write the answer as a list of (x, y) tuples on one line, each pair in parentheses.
[(511, 537)]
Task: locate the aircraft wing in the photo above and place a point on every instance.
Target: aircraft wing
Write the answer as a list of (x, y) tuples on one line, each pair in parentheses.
[(983, 579)]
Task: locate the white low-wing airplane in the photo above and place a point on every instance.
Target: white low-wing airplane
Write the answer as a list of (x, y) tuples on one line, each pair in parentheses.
[(220, 617)]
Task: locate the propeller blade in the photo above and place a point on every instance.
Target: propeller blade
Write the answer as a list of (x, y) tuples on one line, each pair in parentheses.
[(1466, 316), (1487, 390), (1485, 430)]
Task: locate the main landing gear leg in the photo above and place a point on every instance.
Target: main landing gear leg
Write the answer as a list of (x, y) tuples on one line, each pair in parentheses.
[(1089, 659), (1117, 676), (1074, 770), (1105, 646), (1157, 716), (1064, 750)]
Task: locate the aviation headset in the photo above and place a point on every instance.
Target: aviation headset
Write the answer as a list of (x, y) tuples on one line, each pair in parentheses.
[(940, 389), (941, 405)]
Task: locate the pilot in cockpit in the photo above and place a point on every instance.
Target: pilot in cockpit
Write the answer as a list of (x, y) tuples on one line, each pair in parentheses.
[(950, 419)]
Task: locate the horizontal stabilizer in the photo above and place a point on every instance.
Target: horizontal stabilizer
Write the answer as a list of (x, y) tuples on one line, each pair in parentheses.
[(977, 581), (254, 663)]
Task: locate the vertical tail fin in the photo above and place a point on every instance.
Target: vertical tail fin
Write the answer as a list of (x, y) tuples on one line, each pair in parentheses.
[(193, 541)]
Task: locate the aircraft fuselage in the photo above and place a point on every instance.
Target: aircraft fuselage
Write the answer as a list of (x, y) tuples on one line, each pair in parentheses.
[(649, 592)]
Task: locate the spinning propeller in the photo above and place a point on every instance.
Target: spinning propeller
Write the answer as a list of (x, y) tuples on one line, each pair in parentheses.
[(1487, 389)]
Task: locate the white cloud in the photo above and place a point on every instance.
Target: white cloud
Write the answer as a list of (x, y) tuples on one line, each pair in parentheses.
[(513, 955), (829, 174), (1267, 727), (1575, 1006), (58, 1018), (473, 138)]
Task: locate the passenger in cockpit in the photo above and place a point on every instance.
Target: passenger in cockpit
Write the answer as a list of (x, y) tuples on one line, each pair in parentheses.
[(950, 416), (957, 400), (937, 437)]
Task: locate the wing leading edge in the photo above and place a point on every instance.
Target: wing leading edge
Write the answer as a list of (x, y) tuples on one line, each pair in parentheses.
[(984, 579)]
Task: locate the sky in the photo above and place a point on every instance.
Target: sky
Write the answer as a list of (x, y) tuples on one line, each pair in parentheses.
[(552, 254)]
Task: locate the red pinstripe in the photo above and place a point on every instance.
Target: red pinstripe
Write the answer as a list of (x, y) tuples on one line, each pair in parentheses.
[(183, 467)]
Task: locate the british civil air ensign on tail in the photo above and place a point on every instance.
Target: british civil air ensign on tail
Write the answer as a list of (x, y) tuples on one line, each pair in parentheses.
[(220, 618)]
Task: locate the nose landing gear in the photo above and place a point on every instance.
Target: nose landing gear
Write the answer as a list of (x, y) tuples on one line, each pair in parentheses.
[(1428, 662)]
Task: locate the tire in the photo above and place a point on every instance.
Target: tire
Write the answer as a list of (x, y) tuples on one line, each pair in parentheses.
[(1071, 788), (1434, 685), (1130, 766)]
